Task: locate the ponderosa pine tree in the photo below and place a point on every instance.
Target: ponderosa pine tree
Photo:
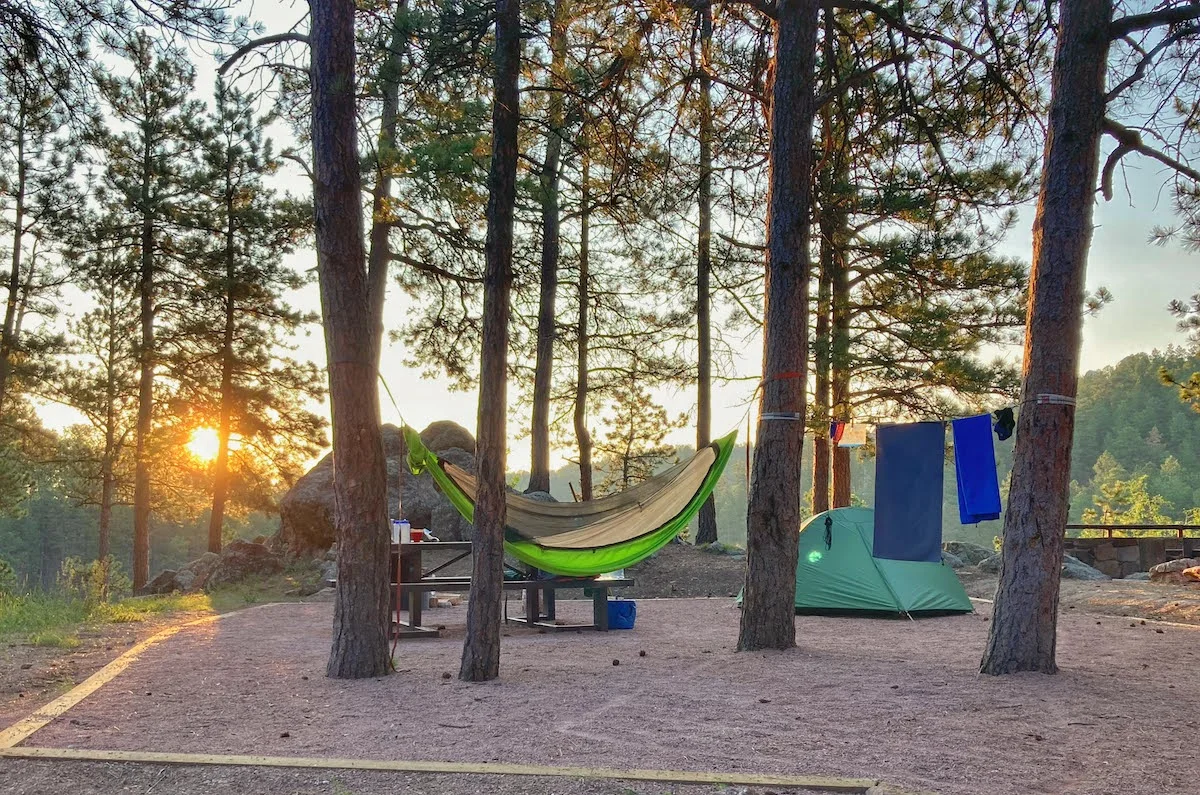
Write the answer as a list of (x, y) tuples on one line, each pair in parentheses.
[(548, 187), (352, 343), (99, 378), (706, 531), (38, 155), (148, 163), (773, 514), (228, 352), (481, 649), (1138, 48)]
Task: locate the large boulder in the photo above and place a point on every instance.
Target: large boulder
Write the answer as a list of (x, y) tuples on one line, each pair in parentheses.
[(1075, 569), (200, 570), (990, 564), (971, 554), (165, 582), (444, 434), (242, 559), (306, 511), (952, 560), (1173, 571)]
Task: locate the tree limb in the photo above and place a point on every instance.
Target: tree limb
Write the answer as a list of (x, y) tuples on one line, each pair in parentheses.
[(1148, 58), (265, 41), (1130, 140), (1164, 16)]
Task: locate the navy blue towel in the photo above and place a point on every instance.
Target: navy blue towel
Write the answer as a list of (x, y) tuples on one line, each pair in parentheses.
[(908, 491), (975, 466)]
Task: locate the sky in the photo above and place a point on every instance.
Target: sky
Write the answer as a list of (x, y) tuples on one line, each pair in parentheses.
[(1142, 277)]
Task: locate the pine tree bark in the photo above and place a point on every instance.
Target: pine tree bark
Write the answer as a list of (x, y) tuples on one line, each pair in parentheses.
[(583, 437), (543, 370), (380, 253), (821, 449), (8, 342), (706, 531), (145, 415), (839, 355), (352, 343), (1022, 635), (107, 478), (481, 650), (773, 517), (216, 519)]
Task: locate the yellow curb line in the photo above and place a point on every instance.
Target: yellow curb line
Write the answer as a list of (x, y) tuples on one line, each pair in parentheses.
[(823, 783), (22, 729)]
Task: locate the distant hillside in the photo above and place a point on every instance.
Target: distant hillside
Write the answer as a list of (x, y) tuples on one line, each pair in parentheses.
[(1123, 410)]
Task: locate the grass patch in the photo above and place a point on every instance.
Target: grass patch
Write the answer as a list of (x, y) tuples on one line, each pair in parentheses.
[(32, 613), (129, 611), (55, 639), (293, 584), (55, 619)]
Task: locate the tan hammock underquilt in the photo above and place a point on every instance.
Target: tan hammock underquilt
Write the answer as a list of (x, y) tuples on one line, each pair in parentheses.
[(608, 520)]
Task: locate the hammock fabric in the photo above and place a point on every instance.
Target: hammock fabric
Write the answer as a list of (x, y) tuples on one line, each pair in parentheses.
[(583, 539)]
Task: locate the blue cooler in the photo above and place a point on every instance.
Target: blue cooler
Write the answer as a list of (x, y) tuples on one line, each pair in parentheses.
[(621, 613)]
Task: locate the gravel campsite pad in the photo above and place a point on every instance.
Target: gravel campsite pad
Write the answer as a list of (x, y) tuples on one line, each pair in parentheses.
[(894, 699)]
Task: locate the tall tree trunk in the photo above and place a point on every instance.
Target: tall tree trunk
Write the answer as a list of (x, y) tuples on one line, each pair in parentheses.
[(145, 415), (380, 254), (1022, 633), (481, 650), (839, 354), (216, 519), (706, 531), (352, 344), (773, 516), (539, 468), (8, 343), (821, 346), (582, 436), (107, 479)]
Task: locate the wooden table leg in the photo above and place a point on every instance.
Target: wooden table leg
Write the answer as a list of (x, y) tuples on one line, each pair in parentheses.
[(532, 608), (600, 607), (416, 599)]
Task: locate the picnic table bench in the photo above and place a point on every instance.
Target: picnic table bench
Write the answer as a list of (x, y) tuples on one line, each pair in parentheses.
[(411, 581)]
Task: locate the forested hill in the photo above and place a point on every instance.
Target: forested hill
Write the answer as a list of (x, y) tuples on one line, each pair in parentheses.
[(1126, 411), (1137, 454)]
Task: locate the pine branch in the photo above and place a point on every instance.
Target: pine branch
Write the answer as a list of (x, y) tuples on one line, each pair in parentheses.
[(1172, 15), (1130, 140), (265, 41)]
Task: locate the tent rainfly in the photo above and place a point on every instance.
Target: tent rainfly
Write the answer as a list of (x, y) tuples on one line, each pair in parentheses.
[(837, 573)]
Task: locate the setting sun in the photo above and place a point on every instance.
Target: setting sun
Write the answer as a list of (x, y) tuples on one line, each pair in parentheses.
[(204, 444)]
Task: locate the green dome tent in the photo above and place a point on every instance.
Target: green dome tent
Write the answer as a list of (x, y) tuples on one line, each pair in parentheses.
[(836, 572)]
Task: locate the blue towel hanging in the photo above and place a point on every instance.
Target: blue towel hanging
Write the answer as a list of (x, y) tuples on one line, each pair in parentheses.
[(975, 466), (908, 491)]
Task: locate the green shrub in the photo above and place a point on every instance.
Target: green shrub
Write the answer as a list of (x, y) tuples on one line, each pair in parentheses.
[(94, 582), (8, 578)]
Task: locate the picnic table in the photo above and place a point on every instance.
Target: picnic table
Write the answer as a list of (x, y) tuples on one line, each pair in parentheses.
[(412, 580)]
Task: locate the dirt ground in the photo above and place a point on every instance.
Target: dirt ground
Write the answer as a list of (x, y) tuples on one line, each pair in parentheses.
[(895, 699), (32, 675), (1115, 694)]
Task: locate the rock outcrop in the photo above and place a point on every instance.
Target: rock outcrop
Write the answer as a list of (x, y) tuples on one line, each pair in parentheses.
[(1072, 568), (237, 561), (306, 511), (952, 560), (1173, 571), (968, 553), (1075, 569)]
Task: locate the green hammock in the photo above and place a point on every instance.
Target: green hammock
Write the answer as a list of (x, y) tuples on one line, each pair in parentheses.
[(583, 539)]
